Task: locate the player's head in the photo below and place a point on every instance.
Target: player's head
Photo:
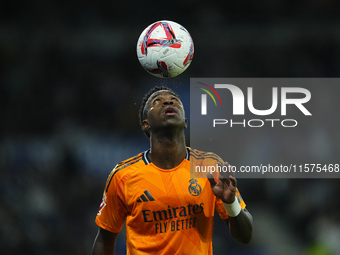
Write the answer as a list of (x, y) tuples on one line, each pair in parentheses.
[(147, 99)]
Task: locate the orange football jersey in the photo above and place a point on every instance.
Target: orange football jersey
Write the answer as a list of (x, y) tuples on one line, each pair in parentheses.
[(166, 211)]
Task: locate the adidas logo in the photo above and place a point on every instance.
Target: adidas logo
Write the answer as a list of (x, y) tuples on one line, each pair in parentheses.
[(146, 197)]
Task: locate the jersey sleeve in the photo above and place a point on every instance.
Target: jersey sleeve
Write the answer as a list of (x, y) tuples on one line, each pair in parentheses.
[(220, 207), (112, 211)]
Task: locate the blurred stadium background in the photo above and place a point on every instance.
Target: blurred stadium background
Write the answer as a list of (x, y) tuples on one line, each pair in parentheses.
[(71, 87)]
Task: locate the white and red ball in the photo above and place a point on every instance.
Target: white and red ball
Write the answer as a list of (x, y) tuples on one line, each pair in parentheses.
[(165, 49)]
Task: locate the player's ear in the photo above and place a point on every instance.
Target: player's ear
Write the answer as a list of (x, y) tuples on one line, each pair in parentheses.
[(145, 125), (186, 123)]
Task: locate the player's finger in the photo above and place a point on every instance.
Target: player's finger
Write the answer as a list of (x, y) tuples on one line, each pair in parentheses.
[(224, 178), (226, 171), (211, 179), (231, 170), (233, 180)]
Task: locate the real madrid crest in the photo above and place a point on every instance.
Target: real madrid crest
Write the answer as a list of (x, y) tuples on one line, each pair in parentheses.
[(194, 188)]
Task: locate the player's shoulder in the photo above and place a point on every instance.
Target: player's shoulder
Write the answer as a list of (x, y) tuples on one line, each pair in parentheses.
[(130, 164), (125, 168), (202, 155)]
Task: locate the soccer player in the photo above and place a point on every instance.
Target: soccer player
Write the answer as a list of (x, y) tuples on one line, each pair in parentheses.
[(165, 209)]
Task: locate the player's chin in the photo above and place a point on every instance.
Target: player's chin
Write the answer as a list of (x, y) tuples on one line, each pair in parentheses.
[(172, 124), (174, 120)]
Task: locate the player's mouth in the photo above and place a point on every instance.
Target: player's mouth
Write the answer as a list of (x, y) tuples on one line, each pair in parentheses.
[(170, 111)]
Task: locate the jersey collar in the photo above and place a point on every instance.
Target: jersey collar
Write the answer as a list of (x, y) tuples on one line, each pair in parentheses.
[(148, 161)]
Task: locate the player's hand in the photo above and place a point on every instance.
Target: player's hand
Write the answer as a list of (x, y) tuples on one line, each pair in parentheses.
[(225, 187)]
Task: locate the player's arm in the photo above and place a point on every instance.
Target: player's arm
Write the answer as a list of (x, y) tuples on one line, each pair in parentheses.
[(111, 215), (104, 243), (240, 221), (241, 226)]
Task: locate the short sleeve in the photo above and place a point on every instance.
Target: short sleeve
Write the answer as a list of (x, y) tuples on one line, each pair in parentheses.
[(220, 207), (112, 210)]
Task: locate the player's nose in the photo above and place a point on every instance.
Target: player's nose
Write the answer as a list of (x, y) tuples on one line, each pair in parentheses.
[(168, 101)]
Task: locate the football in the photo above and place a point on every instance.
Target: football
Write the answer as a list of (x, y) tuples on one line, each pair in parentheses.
[(165, 49)]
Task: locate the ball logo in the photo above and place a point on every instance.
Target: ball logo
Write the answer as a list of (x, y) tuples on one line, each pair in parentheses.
[(194, 188), (169, 41)]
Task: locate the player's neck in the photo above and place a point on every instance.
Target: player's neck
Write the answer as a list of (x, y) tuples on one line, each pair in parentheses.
[(166, 152)]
